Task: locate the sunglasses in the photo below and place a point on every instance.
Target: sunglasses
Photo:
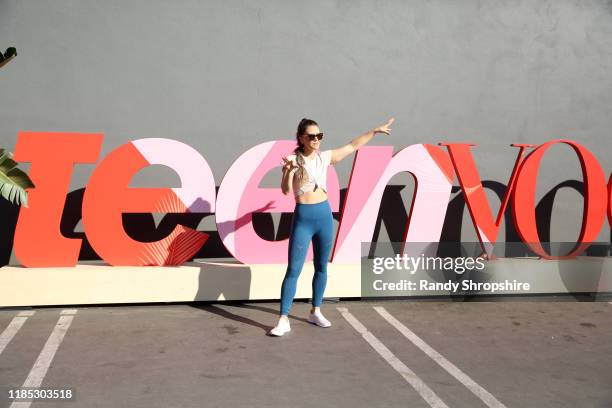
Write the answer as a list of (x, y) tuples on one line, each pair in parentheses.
[(317, 136)]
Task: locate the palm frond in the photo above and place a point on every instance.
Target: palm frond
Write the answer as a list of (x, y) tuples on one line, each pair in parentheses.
[(13, 181)]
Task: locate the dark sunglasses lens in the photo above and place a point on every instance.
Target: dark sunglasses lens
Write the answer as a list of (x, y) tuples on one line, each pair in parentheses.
[(10, 52)]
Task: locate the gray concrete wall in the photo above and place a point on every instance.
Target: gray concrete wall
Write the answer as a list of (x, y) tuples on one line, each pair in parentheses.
[(223, 76)]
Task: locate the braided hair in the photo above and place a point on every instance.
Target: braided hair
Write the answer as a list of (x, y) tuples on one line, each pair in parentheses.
[(299, 150)]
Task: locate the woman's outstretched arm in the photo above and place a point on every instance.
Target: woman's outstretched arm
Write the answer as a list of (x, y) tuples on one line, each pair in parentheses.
[(343, 151)]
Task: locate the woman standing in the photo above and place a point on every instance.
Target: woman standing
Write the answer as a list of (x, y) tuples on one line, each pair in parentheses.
[(304, 174)]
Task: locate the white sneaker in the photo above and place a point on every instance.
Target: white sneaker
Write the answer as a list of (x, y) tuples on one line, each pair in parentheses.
[(281, 328), (318, 319)]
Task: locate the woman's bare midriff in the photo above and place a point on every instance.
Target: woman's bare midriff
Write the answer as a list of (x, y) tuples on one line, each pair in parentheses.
[(312, 197)]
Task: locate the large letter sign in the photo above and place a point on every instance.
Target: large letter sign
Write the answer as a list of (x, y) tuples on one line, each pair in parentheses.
[(373, 168), (240, 196), (38, 241), (475, 197), (595, 199), (108, 196)]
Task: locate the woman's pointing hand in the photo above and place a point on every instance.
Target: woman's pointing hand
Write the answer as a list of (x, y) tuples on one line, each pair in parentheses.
[(384, 128)]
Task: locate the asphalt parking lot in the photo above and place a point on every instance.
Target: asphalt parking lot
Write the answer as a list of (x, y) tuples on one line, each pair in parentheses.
[(391, 353)]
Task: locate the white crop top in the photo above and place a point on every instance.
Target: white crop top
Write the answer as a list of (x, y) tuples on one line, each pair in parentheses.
[(315, 172)]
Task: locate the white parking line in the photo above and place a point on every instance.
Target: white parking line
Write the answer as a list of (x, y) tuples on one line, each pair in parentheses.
[(41, 366), (426, 393), (13, 327), (453, 370)]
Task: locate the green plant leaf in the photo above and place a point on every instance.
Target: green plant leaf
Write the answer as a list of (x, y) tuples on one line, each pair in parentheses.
[(6, 161), (13, 181)]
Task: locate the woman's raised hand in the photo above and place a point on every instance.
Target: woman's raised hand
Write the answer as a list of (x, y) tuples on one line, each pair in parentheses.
[(384, 128), (289, 164)]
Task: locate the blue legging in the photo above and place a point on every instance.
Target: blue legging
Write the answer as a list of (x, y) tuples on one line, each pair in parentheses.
[(310, 221)]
